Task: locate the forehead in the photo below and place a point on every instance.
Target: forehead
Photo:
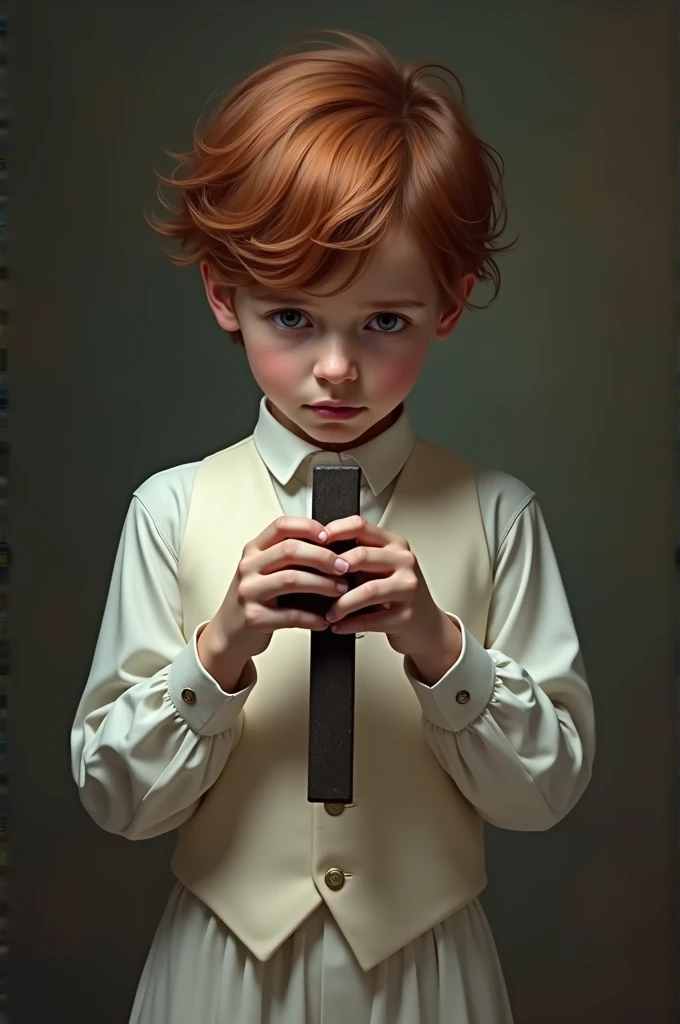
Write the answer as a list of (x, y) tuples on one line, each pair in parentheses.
[(398, 259), (396, 269)]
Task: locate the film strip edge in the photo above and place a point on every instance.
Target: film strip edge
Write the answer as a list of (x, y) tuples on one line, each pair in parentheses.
[(5, 558)]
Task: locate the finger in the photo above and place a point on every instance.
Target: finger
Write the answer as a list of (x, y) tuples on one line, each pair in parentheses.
[(385, 621), (294, 552), (289, 526), (288, 581), (356, 527), (268, 620), (372, 592), (378, 560)]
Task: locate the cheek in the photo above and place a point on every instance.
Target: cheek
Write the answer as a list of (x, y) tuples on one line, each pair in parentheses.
[(275, 372), (399, 375)]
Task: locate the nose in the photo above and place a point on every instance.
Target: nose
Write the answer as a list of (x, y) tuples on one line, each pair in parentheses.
[(335, 364)]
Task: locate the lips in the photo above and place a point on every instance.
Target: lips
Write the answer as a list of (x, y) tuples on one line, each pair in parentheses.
[(336, 412)]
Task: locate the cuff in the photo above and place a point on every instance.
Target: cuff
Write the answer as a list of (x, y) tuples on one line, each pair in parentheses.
[(462, 694), (199, 699)]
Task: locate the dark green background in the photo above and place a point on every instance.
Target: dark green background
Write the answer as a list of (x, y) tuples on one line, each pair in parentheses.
[(118, 370)]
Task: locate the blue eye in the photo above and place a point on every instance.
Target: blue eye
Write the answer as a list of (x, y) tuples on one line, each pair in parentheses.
[(388, 316), (294, 314), (288, 313)]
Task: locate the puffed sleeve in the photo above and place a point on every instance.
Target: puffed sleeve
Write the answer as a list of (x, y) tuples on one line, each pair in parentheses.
[(512, 721), (153, 729)]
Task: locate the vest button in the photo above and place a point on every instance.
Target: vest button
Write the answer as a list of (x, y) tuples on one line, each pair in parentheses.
[(334, 809), (334, 878), (188, 696), (462, 696)]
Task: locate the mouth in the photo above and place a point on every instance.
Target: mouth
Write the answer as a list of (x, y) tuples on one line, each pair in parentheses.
[(331, 410)]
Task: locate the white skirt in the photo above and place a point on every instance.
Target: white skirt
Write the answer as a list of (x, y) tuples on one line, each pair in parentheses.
[(197, 972)]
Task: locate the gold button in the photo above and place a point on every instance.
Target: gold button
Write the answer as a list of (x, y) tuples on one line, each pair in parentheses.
[(188, 696), (462, 696), (334, 878), (334, 809)]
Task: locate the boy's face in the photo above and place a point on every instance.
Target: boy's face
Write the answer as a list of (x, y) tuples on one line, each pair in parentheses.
[(364, 347)]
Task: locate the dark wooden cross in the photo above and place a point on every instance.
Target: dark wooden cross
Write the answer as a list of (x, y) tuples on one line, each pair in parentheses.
[(335, 495)]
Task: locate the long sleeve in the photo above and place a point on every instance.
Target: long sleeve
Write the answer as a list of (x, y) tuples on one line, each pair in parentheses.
[(512, 722), (153, 729)]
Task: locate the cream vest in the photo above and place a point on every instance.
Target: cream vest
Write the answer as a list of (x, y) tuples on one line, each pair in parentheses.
[(409, 850)]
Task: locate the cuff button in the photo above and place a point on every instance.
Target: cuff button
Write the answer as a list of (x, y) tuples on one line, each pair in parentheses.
[(462, 696), (188, 696)]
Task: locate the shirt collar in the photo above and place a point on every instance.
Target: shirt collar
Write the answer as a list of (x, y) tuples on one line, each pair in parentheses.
[(380, 459)]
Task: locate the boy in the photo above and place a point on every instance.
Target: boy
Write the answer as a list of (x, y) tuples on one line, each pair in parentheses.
[(341, 211)]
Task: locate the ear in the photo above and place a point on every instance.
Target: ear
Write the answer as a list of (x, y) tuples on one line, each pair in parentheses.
[(452, 315), (219, 299)]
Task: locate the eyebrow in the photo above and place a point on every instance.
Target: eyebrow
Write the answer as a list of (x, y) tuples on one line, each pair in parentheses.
[(298, 300)]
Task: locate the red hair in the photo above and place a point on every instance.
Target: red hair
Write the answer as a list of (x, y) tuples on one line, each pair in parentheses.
[(314, 157)]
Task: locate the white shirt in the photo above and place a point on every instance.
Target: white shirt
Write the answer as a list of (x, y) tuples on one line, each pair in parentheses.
[(520, 750)]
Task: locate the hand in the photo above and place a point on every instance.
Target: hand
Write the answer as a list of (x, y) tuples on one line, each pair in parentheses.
[(413, 623), (249, 615)]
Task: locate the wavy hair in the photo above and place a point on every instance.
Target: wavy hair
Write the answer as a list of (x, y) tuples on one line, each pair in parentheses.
[(313, 157)]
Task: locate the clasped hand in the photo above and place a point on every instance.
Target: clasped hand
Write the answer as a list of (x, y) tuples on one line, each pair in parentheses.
[(291, 555), (409, 617)]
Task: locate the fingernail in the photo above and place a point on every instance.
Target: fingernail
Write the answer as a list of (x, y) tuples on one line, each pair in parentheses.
[(323, 535), (340, 565), (341, 587)]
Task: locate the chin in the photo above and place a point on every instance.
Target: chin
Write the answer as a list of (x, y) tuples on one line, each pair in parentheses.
[(336, 428), (332, 433)]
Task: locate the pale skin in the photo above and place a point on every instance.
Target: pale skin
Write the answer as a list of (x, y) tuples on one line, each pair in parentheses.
[(332, 352)]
